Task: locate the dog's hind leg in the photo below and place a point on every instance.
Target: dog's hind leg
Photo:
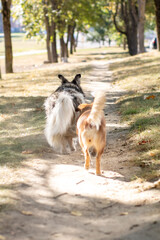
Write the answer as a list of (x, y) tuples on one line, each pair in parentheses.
[(59, 144), (87, 159), (70, 144), (98, 163)]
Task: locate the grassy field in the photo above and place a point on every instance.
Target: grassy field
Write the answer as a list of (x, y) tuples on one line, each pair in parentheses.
[(21, 44), (140, 107), (22, 116)]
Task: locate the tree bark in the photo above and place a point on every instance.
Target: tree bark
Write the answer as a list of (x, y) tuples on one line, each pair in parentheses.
[(157, 4), (48, 32), (6, 4), (124, 43), (53, 37), (132, 41), (76, 41), (141, 21), (53, 42), (64, 49), (72, 40), (129, 14)]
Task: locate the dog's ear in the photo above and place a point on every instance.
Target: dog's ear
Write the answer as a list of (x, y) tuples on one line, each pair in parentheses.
[(84, 105), (76, 79), (64, 80)]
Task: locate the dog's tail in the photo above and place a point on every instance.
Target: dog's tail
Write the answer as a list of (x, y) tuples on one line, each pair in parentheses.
[(60, 117), (96, 113)]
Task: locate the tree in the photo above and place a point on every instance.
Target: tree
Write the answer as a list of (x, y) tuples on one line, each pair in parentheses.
[(141, 21), (102, 28), (48, 29), (6, 4), (127, 13), (157, 5)]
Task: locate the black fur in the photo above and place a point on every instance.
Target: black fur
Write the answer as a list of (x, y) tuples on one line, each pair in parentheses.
[(75, 93)]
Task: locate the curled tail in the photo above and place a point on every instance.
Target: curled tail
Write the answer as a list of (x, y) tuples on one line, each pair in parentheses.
[(95, 116), (60, 118)]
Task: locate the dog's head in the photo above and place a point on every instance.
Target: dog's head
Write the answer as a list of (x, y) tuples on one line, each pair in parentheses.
[(75, 81), (74, 84)]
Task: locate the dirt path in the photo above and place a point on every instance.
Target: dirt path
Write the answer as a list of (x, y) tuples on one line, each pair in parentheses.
[(58, 199)]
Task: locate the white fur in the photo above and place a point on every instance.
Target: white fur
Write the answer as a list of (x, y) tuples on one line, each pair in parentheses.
[(96, 114), (59, 121)]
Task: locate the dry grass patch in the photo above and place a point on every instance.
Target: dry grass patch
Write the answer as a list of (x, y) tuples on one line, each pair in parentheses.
[(22, 116), (140, 108)]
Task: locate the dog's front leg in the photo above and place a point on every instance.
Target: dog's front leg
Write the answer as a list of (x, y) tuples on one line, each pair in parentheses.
[(87, 159), (98, 164)]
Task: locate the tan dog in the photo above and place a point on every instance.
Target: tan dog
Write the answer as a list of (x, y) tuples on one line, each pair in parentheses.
[(91, 128)]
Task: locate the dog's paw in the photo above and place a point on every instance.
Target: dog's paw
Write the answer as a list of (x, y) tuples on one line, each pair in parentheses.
[(86, 167), (98, 173)]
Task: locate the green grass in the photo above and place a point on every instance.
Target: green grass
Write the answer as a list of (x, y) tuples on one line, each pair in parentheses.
[(22, 116), (21, 44), (139, 76)]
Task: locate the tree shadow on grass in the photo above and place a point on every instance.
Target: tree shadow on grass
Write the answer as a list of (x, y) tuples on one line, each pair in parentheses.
[(139, 105), (141, 67), (21, 126), (104, 54)]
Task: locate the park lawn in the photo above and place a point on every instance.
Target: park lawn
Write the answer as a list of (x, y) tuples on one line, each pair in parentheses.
[(22, 116), (21, 44), (139, 76)]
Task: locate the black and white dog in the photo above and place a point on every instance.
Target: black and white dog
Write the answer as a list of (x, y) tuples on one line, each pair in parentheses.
[(61, 114)]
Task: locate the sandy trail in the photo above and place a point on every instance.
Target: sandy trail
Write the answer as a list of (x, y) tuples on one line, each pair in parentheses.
[(58, 199)]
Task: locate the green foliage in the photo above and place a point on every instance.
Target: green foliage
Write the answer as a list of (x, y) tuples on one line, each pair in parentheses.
[(67, 12)]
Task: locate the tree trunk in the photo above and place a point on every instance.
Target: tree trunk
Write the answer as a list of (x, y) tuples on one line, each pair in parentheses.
[(71, 43), (132, 41), (53, 38), (63, 50), (6, 4), (48, 31), (157, 4), (54, 43), (72, 40), (141, 21), (76, 41), (124, 43), (128, 13)]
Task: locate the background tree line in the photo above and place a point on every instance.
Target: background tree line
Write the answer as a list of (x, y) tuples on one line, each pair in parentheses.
[(62, 20)]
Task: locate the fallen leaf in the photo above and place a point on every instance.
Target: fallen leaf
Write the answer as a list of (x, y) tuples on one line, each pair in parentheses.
[(143, 142), (27, 213), (133, 226), (149, 97), (27, 152), (152, 154), (38, 109), (76, 213), (56, 234), (123, 213)]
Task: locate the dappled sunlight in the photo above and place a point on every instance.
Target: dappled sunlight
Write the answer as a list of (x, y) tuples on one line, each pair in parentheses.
[(53, 195), (138, 73), (73, 185)]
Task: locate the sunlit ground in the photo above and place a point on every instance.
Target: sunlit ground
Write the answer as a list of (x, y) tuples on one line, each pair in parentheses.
[(140, 76), (22, 116)]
